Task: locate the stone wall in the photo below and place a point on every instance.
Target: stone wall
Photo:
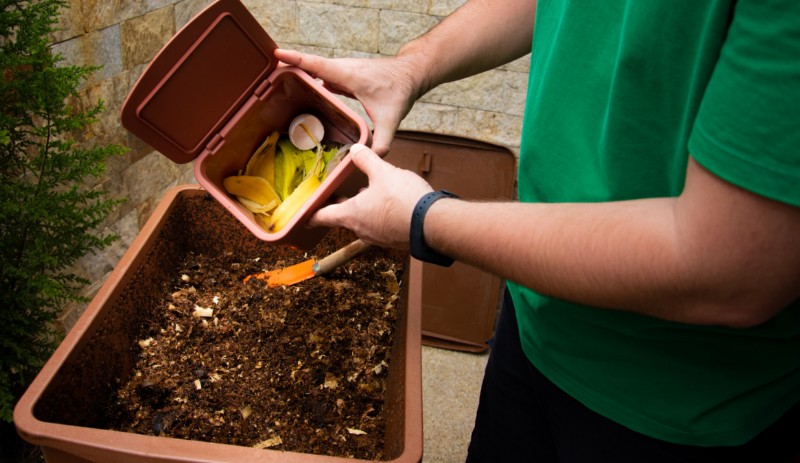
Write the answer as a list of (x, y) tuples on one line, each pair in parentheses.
[(122, 36)]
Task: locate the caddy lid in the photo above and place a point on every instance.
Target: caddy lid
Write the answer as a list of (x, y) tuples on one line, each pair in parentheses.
[(201, 77)]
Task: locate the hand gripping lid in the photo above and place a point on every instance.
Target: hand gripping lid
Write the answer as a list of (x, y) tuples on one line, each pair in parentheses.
[(199, 80)]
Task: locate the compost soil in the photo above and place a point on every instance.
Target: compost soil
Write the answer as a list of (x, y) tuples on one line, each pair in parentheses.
[(299, 368)]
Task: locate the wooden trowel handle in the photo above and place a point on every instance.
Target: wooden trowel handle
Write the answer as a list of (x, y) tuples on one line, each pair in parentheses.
[(329, 263)]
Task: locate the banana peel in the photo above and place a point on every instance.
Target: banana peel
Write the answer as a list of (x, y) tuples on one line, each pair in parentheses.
[(257, 208), (289, 207), (256, 189), (279, 178), (289, 167), (315, 173), (262, 163)]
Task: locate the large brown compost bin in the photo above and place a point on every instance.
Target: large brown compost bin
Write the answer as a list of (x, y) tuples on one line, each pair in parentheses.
[(62, 408), (215, 92), (459, 303)]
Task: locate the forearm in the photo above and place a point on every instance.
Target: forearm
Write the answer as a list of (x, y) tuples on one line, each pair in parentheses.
[(611, 255), (715, 255), (479, 36)]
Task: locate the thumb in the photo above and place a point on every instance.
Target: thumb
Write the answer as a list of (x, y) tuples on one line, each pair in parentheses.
[(382, 137), (367, 160), (328, 216)]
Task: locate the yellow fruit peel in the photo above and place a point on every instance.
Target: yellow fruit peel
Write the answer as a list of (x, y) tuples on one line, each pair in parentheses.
[(262, 163), (252, 188), (289, 207), (279, 178)]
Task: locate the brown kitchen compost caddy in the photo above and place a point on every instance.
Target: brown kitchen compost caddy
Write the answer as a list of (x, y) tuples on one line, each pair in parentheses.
[(215, 92)]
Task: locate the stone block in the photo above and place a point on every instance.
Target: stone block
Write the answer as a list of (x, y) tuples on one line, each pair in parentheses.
[(314, 50), (399, 27), (186, 175), (429, 117), (137, 149), (99, 14), (278, 17), (519, 65), (444, 7), (337, 26), (112, 91), (99, 48), (144, 36), (187, 9), (489, 126), (495, 90), (152, 5), (70, 22), (136, 72), (141, 179), (414, 6), (339, 53), (438, 8)]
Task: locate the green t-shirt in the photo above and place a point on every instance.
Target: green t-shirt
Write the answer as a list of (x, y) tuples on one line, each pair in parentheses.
[(620, 93)]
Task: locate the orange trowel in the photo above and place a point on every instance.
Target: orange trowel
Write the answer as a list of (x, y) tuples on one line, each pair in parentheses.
[(304, 270)]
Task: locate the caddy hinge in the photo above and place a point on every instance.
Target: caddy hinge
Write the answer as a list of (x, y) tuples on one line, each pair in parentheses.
[(214, 143), (262, 87)]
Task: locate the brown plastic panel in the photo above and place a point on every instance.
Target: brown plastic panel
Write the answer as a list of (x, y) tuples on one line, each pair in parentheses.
[(459, 303), (199, 80), (61, 409)]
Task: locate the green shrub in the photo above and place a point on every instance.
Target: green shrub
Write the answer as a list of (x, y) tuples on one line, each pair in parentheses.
[(49, 212)]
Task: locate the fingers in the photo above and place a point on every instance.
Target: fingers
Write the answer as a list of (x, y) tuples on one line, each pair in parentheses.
[(328, 70), (377, 84), (293, 57), (312, 64)]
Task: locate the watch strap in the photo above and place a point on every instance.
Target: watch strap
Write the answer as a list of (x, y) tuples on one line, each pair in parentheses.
[(419, 249)]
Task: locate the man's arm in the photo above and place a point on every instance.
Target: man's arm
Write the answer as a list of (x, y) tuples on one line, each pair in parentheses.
[(479, 36), (716, 255)]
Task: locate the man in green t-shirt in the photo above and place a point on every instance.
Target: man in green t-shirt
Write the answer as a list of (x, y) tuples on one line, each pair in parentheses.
[(653, 258)]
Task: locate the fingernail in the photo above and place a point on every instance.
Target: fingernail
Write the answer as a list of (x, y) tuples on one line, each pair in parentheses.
[(357, 147)]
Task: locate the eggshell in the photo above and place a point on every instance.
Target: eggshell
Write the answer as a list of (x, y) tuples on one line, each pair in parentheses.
[(298, 135)]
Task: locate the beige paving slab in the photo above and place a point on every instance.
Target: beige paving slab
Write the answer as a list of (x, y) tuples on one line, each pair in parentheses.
[(451, 382)]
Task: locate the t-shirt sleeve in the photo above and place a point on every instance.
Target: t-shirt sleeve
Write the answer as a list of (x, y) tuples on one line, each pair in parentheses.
[(747, 130)]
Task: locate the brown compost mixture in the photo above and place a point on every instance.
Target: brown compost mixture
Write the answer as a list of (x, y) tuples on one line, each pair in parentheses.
[(301, 368)]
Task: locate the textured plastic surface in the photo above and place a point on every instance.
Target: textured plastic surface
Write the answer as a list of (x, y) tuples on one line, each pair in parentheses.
[(459, 303), (61, 409), (215, 92)]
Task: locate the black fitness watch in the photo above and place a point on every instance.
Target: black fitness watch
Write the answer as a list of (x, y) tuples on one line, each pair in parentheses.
[(419, 249)]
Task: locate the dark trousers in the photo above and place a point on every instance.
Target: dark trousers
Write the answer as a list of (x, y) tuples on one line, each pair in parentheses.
[(523, 417)]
